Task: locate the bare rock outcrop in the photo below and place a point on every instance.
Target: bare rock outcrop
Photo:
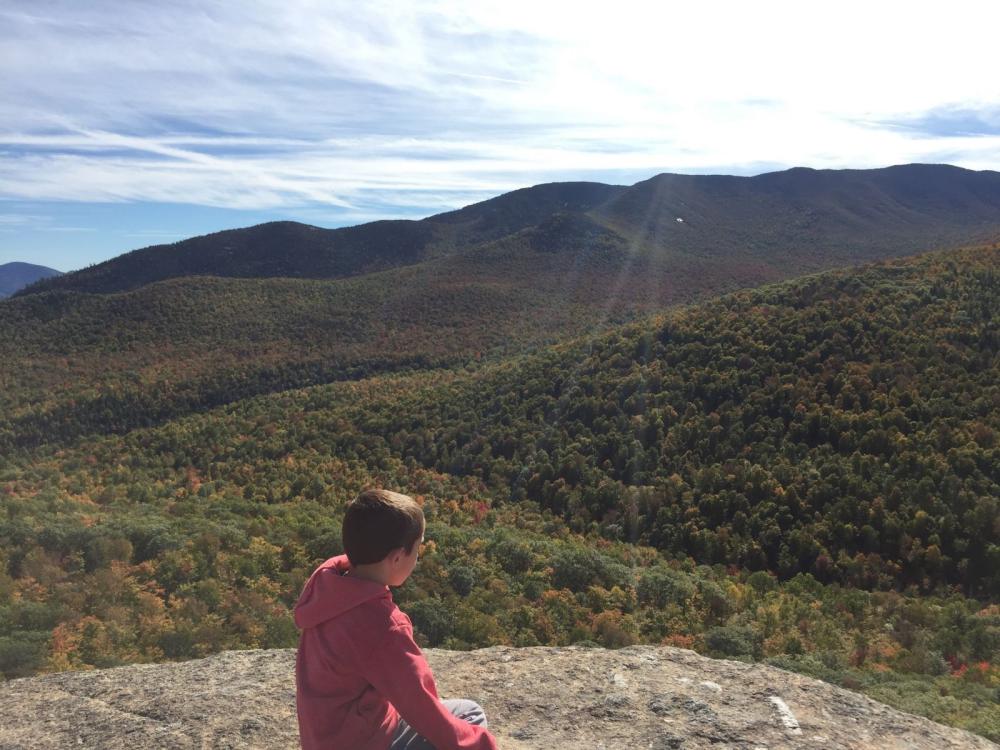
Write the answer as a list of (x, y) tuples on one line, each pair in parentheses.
[(640, 697)]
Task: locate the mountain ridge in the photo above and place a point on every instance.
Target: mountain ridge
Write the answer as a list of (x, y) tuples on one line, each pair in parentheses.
[(832, 216)]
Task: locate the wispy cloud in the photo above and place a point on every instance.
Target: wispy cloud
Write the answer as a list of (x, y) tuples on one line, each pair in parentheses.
[(15, 219), (952, 122), (37, 222)]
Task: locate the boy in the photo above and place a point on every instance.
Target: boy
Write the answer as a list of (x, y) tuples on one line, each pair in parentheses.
[(361, 681)]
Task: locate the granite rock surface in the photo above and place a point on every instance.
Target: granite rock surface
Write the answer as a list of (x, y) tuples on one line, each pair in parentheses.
[(656, 698)]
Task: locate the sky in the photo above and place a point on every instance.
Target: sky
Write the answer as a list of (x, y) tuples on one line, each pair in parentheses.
[(127, 124)]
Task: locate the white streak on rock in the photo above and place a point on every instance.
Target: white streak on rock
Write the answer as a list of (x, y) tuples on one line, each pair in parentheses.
[(713, 686), (786, 715)]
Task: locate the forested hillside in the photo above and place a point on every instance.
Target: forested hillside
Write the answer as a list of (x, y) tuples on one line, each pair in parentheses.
[(805, 473), (494, 279), (845, 425), (82, 363)]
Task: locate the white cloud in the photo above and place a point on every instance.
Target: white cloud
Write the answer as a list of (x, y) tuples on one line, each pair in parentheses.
[(321, 103), (13, 219)]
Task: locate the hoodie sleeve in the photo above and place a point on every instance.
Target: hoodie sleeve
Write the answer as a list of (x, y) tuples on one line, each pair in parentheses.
[(398, 671)]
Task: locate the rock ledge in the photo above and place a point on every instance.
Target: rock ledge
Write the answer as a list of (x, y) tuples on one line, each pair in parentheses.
[(639, 697)]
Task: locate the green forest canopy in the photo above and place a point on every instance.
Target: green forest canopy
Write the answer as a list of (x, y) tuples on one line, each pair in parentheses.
[(805, 473)]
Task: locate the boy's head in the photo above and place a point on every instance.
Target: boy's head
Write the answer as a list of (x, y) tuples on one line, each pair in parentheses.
[(378, 523)]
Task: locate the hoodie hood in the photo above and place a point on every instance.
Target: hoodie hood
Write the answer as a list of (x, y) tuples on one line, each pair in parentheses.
[(329, 593)]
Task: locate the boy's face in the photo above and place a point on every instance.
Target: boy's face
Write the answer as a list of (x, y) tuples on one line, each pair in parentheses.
[(405, 563)]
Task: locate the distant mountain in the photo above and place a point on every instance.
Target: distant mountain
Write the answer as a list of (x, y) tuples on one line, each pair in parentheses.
[(293, 250), (799, 219), (16, 276), (511, 212), (833, 216)]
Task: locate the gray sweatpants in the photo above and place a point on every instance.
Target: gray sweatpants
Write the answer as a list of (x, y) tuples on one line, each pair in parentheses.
[(407, 739)]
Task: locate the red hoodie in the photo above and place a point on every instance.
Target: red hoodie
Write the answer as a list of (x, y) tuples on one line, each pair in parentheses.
[(358, 670)]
